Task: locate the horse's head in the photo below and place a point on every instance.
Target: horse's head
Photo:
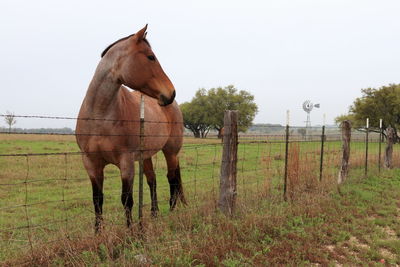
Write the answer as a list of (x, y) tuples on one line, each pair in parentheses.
[(137, 67)]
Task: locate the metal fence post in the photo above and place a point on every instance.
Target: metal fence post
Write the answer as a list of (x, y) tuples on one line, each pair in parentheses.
[(366, 147), (380, 145), (141, 145), (227, 197), (286, 158), (321, 164)]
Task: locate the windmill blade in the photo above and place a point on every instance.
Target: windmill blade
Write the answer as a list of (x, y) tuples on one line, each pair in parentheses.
[(317, 106), (307, 106)]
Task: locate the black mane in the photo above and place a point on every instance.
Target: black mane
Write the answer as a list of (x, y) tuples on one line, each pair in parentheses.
[(122, 39)]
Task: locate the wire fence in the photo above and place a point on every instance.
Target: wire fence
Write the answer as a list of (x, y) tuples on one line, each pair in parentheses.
[(45, 193)]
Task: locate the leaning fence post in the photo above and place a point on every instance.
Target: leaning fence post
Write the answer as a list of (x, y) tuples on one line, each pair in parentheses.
[(141, 142), (390, 136), (286, 157), (346, 135), (227, 197)]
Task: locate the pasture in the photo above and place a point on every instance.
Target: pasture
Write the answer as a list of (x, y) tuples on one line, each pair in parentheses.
[(46, 210)]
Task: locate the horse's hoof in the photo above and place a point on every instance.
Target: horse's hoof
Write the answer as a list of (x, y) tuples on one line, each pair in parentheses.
[(154, 213), (98, 225), (97, 229)]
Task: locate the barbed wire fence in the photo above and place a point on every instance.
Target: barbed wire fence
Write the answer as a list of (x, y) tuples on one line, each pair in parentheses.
[(45, 193)]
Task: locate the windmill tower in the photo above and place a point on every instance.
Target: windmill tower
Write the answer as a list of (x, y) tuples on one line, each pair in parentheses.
[(308, 107)]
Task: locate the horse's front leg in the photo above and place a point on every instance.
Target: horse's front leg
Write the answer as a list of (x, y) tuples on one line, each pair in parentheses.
[(94, 167), (126, 167), (151, 181)]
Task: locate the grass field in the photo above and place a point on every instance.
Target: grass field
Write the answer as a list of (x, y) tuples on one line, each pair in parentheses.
[(46, 208)]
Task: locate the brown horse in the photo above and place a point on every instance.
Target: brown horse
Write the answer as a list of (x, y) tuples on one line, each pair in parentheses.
[(107, 129)]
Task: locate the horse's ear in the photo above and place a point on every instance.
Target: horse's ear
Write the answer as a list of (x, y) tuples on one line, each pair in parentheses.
[(140, 35)]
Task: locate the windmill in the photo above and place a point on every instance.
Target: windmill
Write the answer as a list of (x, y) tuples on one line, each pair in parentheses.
[(307, 107)]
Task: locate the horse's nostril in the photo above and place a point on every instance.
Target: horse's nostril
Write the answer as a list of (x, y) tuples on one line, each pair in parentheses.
[(166, 101)]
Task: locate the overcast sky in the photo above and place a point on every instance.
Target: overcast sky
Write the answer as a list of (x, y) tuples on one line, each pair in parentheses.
[(284, 52)]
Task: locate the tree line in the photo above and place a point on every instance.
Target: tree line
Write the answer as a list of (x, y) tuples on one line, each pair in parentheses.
[(375, 104)]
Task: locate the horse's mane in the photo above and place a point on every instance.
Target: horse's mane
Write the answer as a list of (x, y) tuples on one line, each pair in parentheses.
[(120, 40)]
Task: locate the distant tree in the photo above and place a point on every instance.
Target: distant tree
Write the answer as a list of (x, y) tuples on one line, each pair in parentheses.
[(195, 118), (10, 120), (229, 98), (375, 104), (206, 110), (344, 117)]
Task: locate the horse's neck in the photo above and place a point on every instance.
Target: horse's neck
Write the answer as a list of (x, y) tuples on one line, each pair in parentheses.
[(101, 97)]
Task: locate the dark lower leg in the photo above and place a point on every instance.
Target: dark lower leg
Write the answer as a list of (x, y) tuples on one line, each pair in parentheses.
[(98, 205), (175, 187), (127, 201), (153, 195), (151, 181), (174, 179), (174, 194)]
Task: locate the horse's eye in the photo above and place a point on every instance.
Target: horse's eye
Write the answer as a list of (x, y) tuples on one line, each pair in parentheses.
[(152, 58)]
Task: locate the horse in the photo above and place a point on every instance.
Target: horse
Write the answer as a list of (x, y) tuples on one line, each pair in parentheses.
[(108, 124)]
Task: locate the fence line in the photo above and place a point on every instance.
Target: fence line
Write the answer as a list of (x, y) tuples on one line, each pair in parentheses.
[(264, 168)]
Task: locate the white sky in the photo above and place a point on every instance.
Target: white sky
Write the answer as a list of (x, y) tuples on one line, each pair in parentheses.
[(282, 51)]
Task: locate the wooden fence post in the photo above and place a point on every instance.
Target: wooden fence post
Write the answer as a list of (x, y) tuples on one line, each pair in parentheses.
[(390, 137), (227, 197), (346, 135)]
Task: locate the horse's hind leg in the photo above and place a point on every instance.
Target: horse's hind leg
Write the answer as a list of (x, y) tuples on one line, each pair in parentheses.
[(151, 181), (126, 166), (174, 179), (94, 168)]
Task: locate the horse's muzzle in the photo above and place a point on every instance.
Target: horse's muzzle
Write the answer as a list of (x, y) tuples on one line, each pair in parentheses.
[(164, 101)]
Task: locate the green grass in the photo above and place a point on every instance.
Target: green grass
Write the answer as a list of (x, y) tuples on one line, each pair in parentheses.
[(358, 226)]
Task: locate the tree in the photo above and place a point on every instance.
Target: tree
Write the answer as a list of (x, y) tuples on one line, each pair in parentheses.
[(194, 116), (10, 120), (375, 104), (229, 98), (206, 110)]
